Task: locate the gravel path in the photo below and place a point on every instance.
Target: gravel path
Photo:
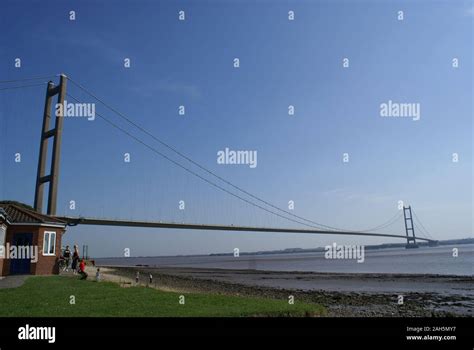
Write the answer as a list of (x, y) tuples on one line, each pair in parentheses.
[(12, 281)]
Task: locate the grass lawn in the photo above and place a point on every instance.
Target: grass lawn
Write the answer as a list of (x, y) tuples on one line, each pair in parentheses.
[(50, 296)]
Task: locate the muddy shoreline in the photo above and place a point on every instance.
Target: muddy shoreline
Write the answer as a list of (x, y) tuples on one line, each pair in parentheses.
[(344, 295)]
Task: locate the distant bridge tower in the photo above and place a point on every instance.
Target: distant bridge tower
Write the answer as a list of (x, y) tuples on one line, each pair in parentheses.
[(411, 239), (46, 133)]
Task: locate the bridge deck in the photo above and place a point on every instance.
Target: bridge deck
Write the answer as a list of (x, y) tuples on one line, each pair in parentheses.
[(72, 221)]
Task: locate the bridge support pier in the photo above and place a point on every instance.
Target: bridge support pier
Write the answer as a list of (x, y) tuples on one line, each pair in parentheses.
[(56, 134), (411, 239)]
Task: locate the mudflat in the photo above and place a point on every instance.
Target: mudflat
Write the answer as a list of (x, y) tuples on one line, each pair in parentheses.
[(344, 294)]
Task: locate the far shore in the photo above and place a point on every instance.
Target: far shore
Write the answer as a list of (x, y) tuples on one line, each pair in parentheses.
[(344, 294)]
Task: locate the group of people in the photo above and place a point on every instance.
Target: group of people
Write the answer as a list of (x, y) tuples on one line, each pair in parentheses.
[(77, 264)]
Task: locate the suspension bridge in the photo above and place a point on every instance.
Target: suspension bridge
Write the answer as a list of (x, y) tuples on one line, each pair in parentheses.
[(182, 161)]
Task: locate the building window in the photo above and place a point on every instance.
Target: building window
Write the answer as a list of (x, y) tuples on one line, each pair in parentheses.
[(49, 243), (3, 235)]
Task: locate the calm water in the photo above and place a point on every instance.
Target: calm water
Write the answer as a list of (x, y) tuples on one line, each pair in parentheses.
[(429, 260)]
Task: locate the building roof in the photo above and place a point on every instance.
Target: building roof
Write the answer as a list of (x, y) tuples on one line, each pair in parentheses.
[(16, 214)]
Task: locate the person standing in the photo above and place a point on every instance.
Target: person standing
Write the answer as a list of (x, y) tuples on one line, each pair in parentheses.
[(67, 257), (75, 258)]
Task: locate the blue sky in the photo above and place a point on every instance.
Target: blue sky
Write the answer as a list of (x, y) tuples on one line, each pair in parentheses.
[(282, 63)]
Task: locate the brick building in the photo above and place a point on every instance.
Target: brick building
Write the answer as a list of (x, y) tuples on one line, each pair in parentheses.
[(20, 228)]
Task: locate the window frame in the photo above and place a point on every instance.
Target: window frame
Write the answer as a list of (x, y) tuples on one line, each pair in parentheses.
[(47, 243)]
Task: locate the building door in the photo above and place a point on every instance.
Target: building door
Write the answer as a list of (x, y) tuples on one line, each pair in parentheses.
[(21, 266)]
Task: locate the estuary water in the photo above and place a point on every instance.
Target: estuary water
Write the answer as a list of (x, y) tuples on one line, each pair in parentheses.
[(426, 260)]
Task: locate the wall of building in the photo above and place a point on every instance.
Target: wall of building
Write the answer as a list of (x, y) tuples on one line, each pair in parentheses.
[(46, 265)]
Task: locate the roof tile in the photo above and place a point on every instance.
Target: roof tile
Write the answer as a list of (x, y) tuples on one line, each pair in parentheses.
[(19, 215)]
